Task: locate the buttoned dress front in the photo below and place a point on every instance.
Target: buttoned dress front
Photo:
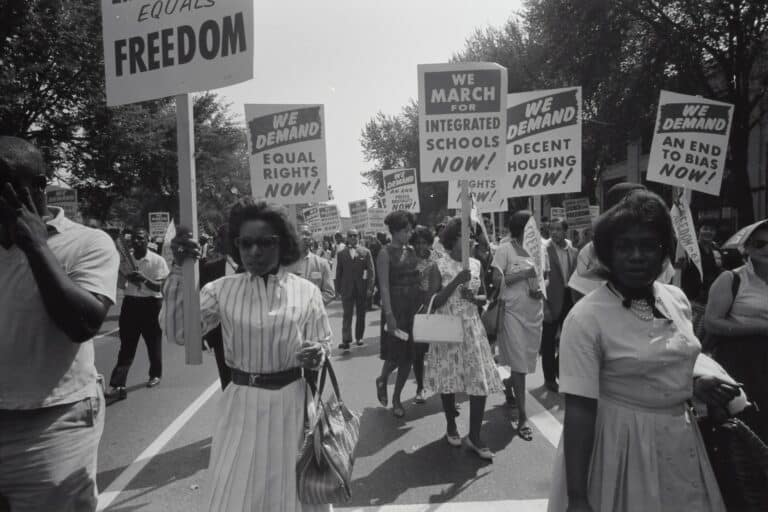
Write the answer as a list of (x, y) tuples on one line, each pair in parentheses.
[(648, 454), (259, 431)]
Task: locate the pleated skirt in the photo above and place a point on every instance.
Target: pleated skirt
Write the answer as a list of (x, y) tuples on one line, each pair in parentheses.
[(255, 447), (643, 461)]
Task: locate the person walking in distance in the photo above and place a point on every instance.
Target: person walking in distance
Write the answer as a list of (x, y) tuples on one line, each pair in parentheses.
[(355, 276), (562, 262), (58, 280), (312, 267), (139, 315)]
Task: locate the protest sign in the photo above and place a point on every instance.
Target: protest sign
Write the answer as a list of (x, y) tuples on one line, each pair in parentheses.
[(532, 244), (556, 212), (166, 47), (401, 190), (486, 194), (594, 211), (158, 224), (462, 121), (64, 198), (690, 142), (329, 219), (286, 148), (168, 236), (376, 220), (577, 213), (682, 221), (543, 142), (358, 214), (311, 217)]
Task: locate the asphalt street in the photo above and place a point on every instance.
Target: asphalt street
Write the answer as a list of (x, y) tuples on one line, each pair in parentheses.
[(156, 444)]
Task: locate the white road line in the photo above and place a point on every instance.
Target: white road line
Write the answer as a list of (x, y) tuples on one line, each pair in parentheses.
[(106, 334), (458, 506), (121, 482)]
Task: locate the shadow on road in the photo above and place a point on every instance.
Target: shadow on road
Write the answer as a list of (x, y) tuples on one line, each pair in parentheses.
[(547, 398), (165, 469), (434, 464)]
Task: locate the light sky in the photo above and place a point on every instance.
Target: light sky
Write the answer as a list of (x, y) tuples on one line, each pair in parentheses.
[(356, 57)]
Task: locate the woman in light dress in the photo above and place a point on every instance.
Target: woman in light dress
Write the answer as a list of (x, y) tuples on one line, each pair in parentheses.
[(627, 355), (519, 339), (273, 324), (467, 367)]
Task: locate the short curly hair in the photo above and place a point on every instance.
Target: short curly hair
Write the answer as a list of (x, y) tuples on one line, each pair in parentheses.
[(639, 208), (422, 233), (399, 219), (275, 216)]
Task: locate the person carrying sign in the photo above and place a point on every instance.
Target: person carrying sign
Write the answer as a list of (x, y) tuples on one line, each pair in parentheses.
[(58, 280)]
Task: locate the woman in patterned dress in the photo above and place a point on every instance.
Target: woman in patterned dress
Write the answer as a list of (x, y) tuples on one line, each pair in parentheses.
[(465, 367), (399, 285), (273, 324), (429, 284)]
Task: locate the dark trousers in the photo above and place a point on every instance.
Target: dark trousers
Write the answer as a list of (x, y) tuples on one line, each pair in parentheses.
[(358, 304), (138, 317), (550, 342)]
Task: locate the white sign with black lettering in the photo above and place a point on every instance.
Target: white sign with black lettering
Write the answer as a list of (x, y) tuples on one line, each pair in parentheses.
[(154, 49)]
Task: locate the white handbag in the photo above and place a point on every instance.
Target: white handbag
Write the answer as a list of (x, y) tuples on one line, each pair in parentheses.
[(433, 328)]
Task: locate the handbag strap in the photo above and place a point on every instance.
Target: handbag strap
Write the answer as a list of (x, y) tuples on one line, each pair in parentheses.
[(431, 303), (327, 371)]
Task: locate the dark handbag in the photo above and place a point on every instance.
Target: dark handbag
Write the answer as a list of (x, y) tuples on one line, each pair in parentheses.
[(493, 318), (739, 460), (326, 458)]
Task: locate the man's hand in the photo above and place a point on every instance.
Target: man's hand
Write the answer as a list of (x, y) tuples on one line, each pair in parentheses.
[(135, 277), (184, 247), (22, 221)]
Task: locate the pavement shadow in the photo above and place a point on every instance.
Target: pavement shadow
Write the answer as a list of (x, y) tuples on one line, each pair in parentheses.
[(433, 464), (165, 469), (378, 428), (498, 430)]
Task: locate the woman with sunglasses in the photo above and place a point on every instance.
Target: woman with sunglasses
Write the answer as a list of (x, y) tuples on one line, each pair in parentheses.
[(627, 355), (740, 323), (274, 326)]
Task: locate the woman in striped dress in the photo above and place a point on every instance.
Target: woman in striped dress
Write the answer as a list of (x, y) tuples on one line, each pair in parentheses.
[(273, 324)]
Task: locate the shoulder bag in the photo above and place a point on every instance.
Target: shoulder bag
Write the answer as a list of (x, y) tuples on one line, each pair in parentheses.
[(493, 316), (326, 457)]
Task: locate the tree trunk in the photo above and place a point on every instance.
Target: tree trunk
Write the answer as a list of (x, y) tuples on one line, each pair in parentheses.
[(737, 190)]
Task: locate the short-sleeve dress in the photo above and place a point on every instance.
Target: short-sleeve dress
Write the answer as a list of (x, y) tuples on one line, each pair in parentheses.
[(520, 337), (467, 367), (404, 293), (259, 432), (648, 453)]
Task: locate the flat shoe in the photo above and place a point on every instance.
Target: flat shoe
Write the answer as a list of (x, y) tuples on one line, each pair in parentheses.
[(525, 433), (420, 399), (398, 411), (381, 392), (453, 440), (483, 453)]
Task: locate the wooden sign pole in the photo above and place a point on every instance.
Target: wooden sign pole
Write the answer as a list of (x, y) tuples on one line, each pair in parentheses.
[(185, 136), (466, 206)]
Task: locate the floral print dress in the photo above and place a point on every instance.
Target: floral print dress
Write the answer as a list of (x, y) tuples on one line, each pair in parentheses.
[(467, 367)]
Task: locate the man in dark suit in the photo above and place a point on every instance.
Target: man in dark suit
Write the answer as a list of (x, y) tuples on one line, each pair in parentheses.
[(562, 262), (211, 270), (355, 276)]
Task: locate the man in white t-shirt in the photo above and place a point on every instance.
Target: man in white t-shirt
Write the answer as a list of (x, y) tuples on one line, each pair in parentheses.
[(139, 315)]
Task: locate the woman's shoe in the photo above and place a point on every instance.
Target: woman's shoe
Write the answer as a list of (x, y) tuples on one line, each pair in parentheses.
[(398, 410), (420, 398), (453, 439), (381, 392), (483, 453)]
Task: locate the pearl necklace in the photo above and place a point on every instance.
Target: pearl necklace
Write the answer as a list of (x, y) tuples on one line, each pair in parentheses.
[(642, 310)]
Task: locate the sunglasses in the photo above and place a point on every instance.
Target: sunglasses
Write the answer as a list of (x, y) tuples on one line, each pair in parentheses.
[(758, 244), (264, 243)]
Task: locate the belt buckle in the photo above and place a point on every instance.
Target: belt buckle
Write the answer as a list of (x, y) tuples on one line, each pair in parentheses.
[(253, 379)]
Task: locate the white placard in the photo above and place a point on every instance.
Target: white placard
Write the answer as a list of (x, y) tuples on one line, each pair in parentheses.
[(376, 219), (462, 121), (158, 224), (286, 148), (556, 212), (167, 47), (486, 193), (401, 190), (329, 219), (543, 142), (690, 142), (532, 243), (577, 213), (358, 214), (685, 230)]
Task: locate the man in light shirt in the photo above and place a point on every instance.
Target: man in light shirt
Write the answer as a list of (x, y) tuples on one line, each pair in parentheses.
[(139, 315), (314, 268), (58, 280)]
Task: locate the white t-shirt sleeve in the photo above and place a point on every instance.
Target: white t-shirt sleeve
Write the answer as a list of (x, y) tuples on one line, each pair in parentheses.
[(95, 269)]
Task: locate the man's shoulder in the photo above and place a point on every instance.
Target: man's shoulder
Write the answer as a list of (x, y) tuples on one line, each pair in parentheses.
[(74, 235)]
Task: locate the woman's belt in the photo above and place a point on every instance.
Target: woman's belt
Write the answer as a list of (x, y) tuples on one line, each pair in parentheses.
[(275, 380)]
